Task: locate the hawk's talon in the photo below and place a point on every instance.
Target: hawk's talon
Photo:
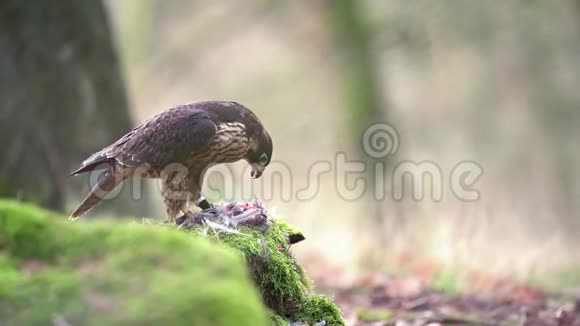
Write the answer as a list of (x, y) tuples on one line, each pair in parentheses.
[(180, 220), (204, 204)]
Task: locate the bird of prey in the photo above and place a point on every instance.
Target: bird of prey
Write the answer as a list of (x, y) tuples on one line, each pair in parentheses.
[(178, 146)]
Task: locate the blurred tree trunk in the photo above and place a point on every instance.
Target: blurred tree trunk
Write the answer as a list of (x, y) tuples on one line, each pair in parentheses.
[(361, 87), (61, 94), (361, 83), (559, 123)]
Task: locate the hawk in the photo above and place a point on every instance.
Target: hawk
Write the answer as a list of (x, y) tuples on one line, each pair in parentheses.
[(178, 146)]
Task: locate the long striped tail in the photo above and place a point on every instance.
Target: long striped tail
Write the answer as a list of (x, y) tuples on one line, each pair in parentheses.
[(106, 183)]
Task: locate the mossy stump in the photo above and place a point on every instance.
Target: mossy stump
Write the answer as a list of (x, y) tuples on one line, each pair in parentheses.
[(284, 287), (56, 272)]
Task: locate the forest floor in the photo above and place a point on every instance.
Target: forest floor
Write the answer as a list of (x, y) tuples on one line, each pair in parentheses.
[(374, 299)]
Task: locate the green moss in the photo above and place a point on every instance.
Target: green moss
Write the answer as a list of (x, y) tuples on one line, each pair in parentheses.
[(117, 274), (283, 284), (318, 308), (276, 320), (280, 280), (130, 273)]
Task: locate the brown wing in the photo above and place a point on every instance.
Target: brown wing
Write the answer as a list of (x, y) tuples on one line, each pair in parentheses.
[(169, 137)]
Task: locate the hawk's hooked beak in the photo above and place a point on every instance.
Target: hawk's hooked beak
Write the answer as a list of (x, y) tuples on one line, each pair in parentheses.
[(257, 170)]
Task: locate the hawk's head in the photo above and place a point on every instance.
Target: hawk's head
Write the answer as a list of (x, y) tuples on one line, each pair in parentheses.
[(260, 152)]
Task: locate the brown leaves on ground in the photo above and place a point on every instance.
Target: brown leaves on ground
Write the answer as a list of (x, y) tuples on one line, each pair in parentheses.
[(374, 299), (432, 307)]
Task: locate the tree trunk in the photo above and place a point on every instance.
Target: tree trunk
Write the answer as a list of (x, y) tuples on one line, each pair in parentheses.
[(362, 91), (61, 94)]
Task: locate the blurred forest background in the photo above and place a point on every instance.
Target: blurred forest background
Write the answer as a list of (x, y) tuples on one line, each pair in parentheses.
[(493, 82)]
